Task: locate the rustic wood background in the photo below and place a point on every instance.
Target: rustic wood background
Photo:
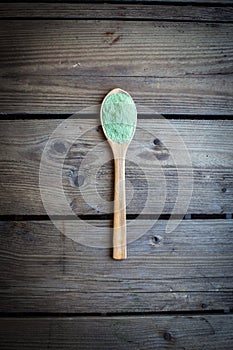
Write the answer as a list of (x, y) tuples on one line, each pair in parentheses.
[(175, 290)]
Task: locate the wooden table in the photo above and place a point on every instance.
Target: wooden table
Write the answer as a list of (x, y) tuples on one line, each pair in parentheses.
[(175, 289)]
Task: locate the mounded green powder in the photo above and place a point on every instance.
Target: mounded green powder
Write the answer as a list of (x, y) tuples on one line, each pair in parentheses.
[(119, 116)]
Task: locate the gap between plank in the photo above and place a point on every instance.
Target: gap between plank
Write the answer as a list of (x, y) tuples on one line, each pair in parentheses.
[(43, 116), (90, 217), (226, 3), (112, 314), (120, 19)]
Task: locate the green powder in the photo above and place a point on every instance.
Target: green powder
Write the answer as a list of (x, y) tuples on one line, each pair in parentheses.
[(119, 116)]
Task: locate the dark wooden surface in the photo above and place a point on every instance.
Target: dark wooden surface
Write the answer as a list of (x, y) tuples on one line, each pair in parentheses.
[(189, 269), (175, 289), (209, 143), (175, 67), (116, 11), (72, 48), (206, 94), (160, 332)]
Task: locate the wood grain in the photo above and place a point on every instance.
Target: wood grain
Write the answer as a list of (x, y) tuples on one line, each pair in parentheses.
[(61, 66), (115, 48), (204, 2), (195, 2), (149, 161), (126, 333), (42, 270), (112, 11), (210, 95)]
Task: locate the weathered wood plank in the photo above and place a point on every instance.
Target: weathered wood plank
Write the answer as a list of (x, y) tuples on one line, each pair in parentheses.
[(104, 333), (43, 270), (67, 94), (113, 11), (150, 166), (115, 48), (204, 2), (195, 2), (150, 2)]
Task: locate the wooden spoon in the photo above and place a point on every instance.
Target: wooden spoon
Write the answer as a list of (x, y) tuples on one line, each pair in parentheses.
[(119, 144)]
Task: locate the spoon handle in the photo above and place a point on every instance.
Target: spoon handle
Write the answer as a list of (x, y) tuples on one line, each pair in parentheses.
[(119, 223)]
